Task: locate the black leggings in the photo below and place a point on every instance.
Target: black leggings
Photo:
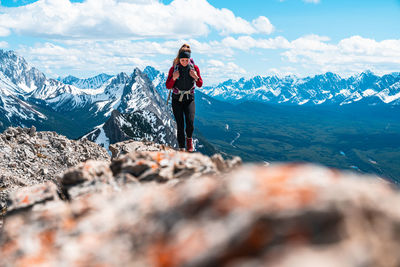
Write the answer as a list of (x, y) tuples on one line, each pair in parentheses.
[(186, 107)]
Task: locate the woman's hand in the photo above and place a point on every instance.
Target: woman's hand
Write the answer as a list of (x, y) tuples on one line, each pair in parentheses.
[(194, 74), (175, 75)]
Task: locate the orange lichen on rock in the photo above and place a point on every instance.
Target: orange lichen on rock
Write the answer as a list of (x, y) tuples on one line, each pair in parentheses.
[(68, 223), (177, 250), (87, 165), (9, 247), (34, 260), (41, 256), (158, 156), (25, 200)]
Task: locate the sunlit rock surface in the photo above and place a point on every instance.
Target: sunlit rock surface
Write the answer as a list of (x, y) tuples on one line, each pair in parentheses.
[(280, 215)]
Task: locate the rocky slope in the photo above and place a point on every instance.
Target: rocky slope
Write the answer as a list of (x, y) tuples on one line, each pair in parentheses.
[(153, 206), (138, 125), (28, 157)]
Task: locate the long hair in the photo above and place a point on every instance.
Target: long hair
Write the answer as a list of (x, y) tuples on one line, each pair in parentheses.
[(184, 47)]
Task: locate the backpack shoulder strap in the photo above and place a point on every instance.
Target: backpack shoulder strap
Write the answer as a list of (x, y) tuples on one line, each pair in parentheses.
[(191, 64)]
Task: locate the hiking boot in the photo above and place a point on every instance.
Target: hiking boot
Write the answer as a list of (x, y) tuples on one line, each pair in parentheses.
[(189, 144)]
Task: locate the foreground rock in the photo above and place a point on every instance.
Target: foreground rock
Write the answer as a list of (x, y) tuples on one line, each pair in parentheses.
[(28, 157), (281, 215), (138, 167), (125, 147)]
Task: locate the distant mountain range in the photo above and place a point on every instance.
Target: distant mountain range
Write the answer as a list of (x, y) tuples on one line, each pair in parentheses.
[(325, 89), (90, 83)]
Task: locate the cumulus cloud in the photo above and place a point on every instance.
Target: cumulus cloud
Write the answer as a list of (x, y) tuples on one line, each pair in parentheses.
[(283, 71), (4, 31), (263, 25), (107, 19), (312, 54), (216, 63), (311, 42), (216, 71), (348, 56), (52, 58)]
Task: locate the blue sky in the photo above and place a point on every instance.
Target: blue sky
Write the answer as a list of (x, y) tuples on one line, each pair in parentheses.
[(229, 39)]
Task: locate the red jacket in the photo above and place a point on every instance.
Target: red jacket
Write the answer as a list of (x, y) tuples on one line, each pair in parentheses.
[(170, 82)]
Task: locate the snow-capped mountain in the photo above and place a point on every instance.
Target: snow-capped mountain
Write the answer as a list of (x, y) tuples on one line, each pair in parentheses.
[(328, 88), (14, 110), (121, 92), (138, 125), (138, 111), (27, 97), (158, 79), (89, 83), (19, 72)]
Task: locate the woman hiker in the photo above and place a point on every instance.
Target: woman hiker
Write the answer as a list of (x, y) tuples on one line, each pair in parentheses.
[(182, 77)]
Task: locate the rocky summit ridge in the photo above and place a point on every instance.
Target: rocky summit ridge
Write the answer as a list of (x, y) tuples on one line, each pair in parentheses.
[(29, 157), (150, 205)]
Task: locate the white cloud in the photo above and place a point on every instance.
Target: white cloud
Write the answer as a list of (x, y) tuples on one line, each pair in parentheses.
[(248, 42), (208, 48), (348, 56), (311, 42), (74, 56), (216, 71), (263, 25), (107, 19), (216, 63), (3, 44), (88, 57), (312, 54), (4, 31), (282, 71)]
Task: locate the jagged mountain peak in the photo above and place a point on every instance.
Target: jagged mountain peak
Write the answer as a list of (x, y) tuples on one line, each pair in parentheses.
[(22, 74), (137, 125), (139, 76), (395, 74), (151, 72), (88, 83), (332, 75), (121, 77), (368, 73), (8, 54), (139, 92), (228, 82), (67, 79), (136, 71)]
